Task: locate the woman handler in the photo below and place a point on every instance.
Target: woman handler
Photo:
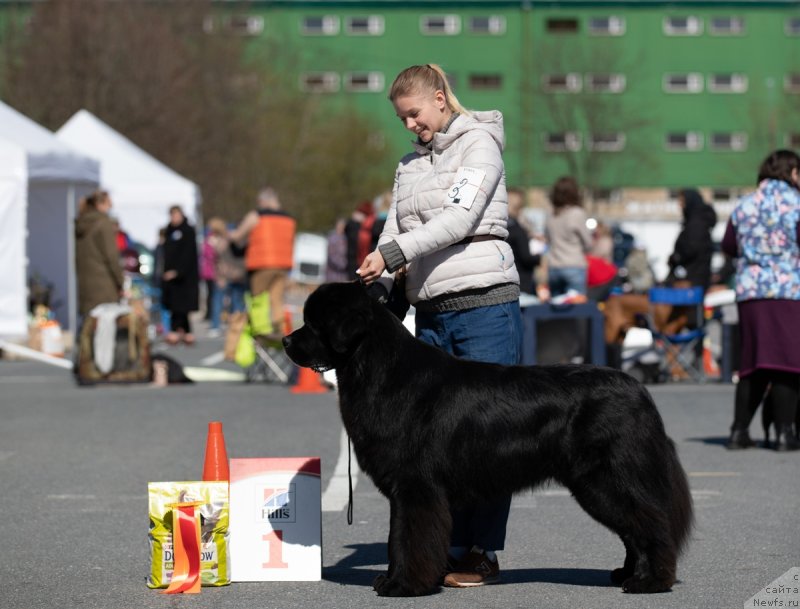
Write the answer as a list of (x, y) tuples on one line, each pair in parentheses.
[(447, 229)]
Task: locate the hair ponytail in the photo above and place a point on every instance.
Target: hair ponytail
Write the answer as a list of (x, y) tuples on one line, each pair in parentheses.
[(428, 78), (91, 200)]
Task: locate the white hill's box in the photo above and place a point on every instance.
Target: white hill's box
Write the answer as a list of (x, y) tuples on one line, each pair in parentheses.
[(275, 519)]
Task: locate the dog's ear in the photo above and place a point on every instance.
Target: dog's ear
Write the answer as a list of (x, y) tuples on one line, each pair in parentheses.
[(349, 330)]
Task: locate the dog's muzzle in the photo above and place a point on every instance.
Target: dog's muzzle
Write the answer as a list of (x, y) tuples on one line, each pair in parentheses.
[(288, 346)]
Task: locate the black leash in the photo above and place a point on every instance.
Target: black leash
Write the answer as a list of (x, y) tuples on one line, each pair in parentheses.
[(350, 486)]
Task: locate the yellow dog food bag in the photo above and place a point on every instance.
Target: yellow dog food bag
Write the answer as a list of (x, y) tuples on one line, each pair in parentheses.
[(214, 519)]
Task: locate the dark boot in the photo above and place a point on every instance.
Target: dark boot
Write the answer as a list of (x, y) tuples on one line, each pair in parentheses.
[(614, 355), (740, 438), (786, 439)]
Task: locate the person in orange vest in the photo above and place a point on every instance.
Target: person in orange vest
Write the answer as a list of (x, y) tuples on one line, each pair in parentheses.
[(269, 232)]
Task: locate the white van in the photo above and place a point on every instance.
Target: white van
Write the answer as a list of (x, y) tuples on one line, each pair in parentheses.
[(310, 258)]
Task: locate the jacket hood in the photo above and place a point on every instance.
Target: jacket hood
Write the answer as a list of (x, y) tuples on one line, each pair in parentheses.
[(695, 209), (490, 121), (87, 221)]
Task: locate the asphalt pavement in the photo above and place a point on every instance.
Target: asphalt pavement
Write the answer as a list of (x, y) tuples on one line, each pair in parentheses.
[(75, 463)]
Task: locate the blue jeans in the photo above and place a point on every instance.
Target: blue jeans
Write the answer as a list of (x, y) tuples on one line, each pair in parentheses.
[(562, 280), (487, 334), (235, 292)]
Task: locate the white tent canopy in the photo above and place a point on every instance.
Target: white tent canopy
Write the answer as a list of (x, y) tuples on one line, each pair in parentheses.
[(13, 197), (142, 188), (41, 180)]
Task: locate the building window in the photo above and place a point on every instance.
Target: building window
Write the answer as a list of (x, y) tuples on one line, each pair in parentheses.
[(687, 140), (792, 27), (484, 82), (728, 141), (319, 82), (489, 24), (792, 82), (683, 83), (448, 25), (320, 25), (683, 26), (727, 83), (610, 195), (367, 25), (608, 83), (607, 26), (562, 25), (793, 140), (364, 81), (244, 25), (726, 26), (561, 142), (723, 194), (562, 82), (607, 142)]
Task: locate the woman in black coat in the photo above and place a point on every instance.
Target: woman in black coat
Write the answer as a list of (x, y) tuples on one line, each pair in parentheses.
[(691, 259), (179, 293)]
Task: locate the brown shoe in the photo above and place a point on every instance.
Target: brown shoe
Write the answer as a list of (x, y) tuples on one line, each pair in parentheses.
[(475, 569)]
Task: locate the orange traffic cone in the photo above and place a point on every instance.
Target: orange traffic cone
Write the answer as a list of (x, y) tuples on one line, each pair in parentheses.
[(216, 464), (308, 382), (710, 366)]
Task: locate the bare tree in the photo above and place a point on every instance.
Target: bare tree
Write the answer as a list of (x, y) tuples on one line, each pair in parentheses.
[(151, 72), (580, 91)]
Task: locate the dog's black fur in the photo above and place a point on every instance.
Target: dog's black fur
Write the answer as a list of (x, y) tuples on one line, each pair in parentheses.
[(434, 431)]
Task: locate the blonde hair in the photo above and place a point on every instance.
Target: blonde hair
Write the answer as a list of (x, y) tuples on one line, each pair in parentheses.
[(217, 226), (429, 78)]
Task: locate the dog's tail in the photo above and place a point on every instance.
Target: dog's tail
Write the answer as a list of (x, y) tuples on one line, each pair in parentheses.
[(681, 516)]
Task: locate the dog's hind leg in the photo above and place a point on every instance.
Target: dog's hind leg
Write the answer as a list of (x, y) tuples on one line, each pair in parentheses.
[(650, 560), (618, 576), (419, 534), (655, 570)]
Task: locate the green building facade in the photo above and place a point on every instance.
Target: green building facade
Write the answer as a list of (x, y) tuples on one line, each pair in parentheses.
[(627, 96), (631, 97)]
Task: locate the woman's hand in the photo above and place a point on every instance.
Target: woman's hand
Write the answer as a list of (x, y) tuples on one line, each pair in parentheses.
[(170, 275), (372, 267)]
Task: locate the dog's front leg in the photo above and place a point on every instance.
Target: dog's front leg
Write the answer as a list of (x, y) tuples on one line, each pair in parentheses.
[(419, 534)]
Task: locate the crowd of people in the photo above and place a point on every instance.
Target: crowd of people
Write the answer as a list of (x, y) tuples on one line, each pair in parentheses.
[(455, 243)]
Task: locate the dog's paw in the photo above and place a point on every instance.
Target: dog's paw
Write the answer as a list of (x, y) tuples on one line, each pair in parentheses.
[(379, 582), (618, 576), (386, 586), (646, 585)]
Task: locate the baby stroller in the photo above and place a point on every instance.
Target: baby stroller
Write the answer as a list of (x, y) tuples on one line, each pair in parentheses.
[(258, 348)]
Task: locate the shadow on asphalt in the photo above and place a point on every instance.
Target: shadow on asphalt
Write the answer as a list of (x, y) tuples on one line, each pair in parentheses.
[(596, 578), (349, 570), (713, 440)]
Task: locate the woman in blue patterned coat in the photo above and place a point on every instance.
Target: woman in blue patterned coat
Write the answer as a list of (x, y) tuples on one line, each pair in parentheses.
[(763, 234)]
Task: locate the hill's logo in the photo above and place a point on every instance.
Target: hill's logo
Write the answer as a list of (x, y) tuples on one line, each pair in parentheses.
[(276, 504)]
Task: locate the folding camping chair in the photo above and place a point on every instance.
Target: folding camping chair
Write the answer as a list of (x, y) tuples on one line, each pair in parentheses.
[(681, 349), (260, 351)]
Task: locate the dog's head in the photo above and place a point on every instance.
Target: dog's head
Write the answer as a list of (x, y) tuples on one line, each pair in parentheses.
[(336, 318)]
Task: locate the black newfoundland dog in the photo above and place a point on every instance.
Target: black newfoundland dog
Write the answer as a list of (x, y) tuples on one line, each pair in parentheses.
[(434, 431)]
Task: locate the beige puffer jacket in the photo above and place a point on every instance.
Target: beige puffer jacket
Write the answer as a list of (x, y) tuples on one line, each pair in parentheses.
[(427, 225)]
